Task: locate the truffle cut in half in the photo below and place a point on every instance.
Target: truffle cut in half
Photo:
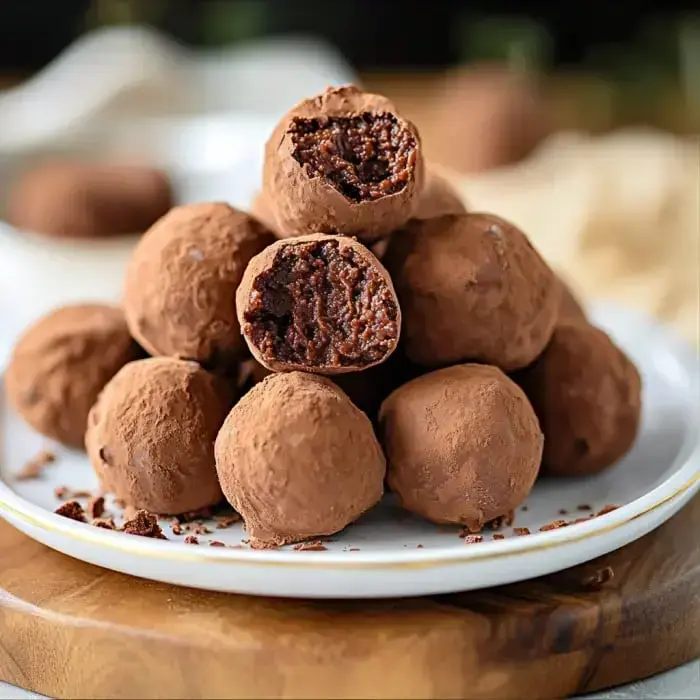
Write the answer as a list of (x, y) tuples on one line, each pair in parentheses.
[(302, 472), (343, 162), (318, 303)]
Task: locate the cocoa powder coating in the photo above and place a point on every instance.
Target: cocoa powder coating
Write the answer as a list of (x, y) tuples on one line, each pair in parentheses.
[(151, 435), (318, 303), (463, 445), (182, 278), (587, 395), (472, 287), (85, 200), (61, 363), (343, 162), (302, 472)]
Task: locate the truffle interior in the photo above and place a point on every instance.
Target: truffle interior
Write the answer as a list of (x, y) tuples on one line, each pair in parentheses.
[(364, 157), (320, 305)]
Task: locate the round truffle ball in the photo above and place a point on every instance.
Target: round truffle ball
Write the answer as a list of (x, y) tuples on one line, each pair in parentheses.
[(305, 471), (463, 445), (343, 162), (151, 435), (438, 198), (83, 200), (181, 283), (587, 396), (472, 287), (318, 303), (62, 362)]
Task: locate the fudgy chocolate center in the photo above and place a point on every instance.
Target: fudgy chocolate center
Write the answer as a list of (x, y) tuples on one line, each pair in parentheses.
[(320, 305), (364, 157)]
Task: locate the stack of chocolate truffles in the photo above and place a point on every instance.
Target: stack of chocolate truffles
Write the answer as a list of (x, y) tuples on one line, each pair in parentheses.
[(360, 329)]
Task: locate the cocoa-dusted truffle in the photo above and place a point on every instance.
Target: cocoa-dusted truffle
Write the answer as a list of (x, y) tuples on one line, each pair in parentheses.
[(301, 472), (151, 435), (60, 365), (84, 200), (182, 278), (587, 396), (318, 303), (463, 445), (472, 287), (438, 198), (343, 162)]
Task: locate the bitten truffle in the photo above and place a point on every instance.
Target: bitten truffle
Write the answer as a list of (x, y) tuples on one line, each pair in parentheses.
[(83, 200), (463, 445), (343, 162), (151, 435), (302, 472), (318, 303), (472, 287), (62, 362), (438, 198), (181, 283), (587, 396)]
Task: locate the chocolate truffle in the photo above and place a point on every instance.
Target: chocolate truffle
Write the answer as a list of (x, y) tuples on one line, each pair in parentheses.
[(262, 211), (343, 162), (62, 362), (472, 287), (463, 445), (151, 435), (318, 303), (305, 471), (83, 200), (438, 198), (182, 278), (587, 396)]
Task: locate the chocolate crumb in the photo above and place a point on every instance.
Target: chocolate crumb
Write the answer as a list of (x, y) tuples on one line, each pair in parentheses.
[(523, 508), (143, 524), (503, 521), (191, 539), (584, 506), (521, 531), (96, 507), (563, 511), (72, 510), (554, 525), (175, 526), (312, 546), (34, 468), (419, 546), (104, 523), (473, 539), (61, 493), (607, 509), (216, 543), (200, 529), (225, 521), (599, 579), (499, 537)]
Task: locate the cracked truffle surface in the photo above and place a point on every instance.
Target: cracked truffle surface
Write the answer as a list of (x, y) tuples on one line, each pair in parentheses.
[(151, 435), (472, 287), (318, 303), (181, 283), (463, 445), (365, 157), (302, 472), (62, 362), (343, 162), (587, 396)]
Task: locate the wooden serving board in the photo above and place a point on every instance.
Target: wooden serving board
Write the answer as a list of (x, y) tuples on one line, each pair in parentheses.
[(68, 629)]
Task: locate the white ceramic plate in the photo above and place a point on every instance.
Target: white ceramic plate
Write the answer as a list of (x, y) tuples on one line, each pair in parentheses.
[(389, 553)]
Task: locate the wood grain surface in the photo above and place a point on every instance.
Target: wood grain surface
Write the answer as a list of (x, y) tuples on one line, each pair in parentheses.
[(68, 629)]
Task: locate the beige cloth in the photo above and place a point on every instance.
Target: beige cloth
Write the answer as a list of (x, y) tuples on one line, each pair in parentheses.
[(618, 215)]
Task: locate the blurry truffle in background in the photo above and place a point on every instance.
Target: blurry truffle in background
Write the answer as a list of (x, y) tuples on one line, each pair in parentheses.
[(472, 287), (318, 303), (587, 396), (439, 197), (150, 436), (62, 362), (343, 162), (487, 117), (181, 281), (84, 200), (463, 445), (297, 460), (261, 210)]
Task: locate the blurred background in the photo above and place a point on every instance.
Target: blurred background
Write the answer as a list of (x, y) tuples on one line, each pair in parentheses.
[(578, 121)]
